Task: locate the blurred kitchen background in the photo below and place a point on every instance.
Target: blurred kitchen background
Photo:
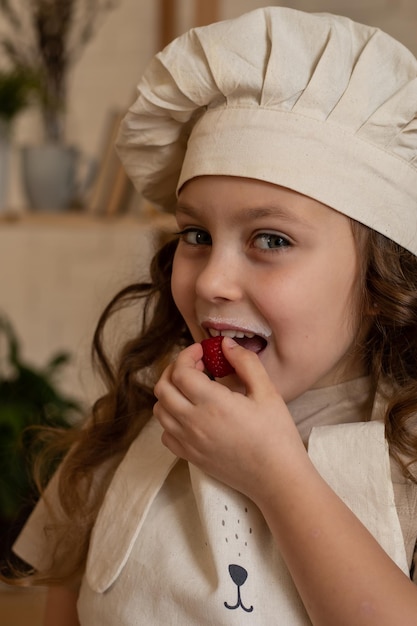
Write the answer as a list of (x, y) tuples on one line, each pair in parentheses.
[(62, 259)]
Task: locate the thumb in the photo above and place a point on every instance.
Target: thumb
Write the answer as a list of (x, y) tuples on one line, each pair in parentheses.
[(248, 367)]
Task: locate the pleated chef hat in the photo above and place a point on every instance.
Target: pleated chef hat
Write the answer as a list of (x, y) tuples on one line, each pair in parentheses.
[(313, 102)]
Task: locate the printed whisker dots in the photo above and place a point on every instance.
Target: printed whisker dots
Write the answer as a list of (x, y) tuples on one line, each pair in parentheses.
[(237, 537)]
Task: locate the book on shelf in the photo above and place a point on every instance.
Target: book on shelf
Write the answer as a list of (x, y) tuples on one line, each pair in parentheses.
[(108, 175), (119, 196)]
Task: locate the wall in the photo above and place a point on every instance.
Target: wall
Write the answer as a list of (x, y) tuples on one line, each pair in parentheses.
[(56, 277)]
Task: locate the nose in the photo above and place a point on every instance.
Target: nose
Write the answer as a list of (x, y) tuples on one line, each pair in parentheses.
[(220, 278)]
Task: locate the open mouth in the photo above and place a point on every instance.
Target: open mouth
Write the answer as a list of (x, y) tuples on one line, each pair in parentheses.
[(250, 341)]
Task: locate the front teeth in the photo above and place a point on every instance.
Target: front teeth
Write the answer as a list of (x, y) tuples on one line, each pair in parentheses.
[(230, 333)]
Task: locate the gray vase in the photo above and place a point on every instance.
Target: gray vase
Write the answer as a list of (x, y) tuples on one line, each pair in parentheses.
[(49, 173)]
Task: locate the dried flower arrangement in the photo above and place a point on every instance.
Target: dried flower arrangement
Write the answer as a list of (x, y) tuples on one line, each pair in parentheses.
[(47, 37)]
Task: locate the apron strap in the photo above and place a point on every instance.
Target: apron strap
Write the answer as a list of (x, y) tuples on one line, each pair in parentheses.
[(354, 460)]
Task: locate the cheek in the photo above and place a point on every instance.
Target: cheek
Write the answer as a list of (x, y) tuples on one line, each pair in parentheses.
[(177, 285), (312, 302), (181, 285), (182, 289)]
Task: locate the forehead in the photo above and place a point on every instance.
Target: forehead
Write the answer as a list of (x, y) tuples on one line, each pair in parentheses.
[(246, 199)]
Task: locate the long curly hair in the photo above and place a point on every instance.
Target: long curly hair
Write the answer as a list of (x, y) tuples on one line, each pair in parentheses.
[(388, 290)]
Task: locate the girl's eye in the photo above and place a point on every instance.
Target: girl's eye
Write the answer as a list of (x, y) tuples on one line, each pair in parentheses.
[(195, 237), (270, 241)]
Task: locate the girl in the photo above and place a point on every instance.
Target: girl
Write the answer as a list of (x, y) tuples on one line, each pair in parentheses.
[(284, 492)]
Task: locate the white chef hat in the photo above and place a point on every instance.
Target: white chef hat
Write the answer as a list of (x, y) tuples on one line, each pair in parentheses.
[(313, 102)]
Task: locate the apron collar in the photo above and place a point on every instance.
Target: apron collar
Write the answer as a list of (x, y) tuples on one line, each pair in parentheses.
[(136, 482)]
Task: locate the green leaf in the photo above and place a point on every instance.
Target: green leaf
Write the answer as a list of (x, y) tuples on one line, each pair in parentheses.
[(29, 398)]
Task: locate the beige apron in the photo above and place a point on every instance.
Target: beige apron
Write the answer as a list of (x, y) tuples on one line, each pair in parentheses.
[(173, 546)]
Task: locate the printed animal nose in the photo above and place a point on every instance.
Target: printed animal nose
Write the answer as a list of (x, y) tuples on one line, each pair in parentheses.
[(238, 574)]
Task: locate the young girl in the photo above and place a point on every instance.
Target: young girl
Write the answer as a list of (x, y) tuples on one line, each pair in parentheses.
[(285, 492)]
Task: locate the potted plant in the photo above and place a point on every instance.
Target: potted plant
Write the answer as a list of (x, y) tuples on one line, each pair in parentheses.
[(16, 87), (47, 37), (29, 397)]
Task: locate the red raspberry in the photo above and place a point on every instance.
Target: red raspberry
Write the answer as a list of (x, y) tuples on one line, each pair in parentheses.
[(213, 358)]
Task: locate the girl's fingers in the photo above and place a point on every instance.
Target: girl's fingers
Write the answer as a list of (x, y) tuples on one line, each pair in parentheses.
[(191, 357), (173, 444), (249, 369), (166, 419), (183, 386), (184, 375), (182, 383)]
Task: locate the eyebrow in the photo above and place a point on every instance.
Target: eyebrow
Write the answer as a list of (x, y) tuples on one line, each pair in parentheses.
[(251, 213)]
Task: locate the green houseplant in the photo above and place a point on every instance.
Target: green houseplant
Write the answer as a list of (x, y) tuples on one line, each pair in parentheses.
[(29, 397), (16, 88)]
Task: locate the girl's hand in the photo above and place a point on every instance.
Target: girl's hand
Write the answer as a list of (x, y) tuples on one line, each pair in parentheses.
[(250, 443), (246, 440)]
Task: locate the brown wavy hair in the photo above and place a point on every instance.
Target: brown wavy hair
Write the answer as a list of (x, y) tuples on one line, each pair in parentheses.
[(390, 292), (388, 298)]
